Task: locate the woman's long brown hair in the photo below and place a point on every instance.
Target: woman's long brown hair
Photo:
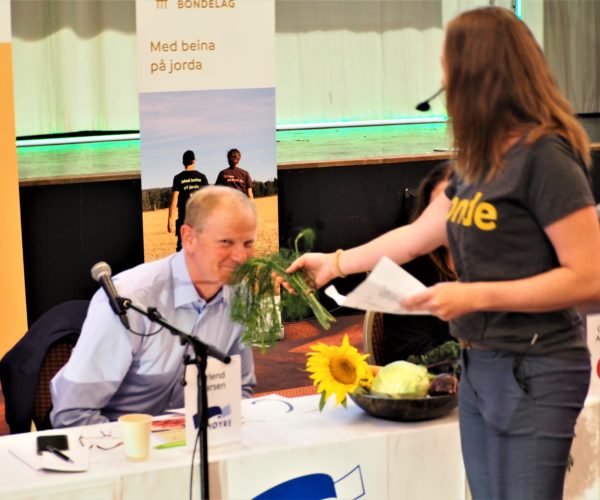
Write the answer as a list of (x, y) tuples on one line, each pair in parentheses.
[(440, 256), (498, 86)]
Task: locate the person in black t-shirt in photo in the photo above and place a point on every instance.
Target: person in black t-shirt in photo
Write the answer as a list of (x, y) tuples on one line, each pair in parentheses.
[(234, 176), (184, 184)]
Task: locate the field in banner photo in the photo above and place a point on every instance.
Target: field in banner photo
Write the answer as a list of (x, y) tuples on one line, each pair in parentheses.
[(159, 243)]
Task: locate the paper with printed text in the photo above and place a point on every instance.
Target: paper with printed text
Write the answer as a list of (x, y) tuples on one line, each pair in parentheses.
[(383, 289)]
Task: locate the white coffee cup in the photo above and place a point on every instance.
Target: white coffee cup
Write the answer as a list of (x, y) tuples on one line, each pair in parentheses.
[(136, 428)]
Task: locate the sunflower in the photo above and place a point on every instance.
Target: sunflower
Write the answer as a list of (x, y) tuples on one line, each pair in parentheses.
[(337, 370)]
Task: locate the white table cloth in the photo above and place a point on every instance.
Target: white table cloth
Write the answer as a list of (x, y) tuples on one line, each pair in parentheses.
[(289, 443)]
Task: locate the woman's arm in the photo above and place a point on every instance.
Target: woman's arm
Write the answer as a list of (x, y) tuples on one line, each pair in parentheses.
[(405, 243), (576, 240)]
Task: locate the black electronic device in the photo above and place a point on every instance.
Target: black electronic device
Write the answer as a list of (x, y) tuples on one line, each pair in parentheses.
[(54, 441)]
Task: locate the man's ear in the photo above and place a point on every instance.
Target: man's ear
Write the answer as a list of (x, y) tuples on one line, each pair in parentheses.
[(187, 235)]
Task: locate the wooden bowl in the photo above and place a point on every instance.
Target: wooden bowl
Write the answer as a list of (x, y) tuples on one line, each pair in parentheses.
[(405, 410)]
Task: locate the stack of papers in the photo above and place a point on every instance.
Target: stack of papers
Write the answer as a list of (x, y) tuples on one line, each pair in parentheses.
[(168, 431)]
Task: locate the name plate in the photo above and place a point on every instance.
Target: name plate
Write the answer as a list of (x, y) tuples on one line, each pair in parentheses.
[(224, 392)]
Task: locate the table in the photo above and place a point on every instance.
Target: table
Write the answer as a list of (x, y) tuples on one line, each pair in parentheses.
[(362, 456), (289, 443)]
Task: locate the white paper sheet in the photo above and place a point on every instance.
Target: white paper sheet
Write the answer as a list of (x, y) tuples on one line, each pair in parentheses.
[(383, 289), (47, 461)]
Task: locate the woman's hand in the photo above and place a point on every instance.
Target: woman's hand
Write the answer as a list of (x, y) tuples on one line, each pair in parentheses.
[(444, 300), (320, 266)]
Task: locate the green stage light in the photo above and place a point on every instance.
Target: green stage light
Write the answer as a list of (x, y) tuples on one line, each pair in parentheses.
[(56, 141), (519, 8), (363, 123), (66, 140)]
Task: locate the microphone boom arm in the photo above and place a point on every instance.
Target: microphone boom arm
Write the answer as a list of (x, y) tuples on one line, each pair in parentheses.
[(200, 348)]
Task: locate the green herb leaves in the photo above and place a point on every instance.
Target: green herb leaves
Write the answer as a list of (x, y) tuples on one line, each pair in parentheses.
[(256, 303)]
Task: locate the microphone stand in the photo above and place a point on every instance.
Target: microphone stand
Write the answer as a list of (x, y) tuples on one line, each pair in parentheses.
[(201, 353)]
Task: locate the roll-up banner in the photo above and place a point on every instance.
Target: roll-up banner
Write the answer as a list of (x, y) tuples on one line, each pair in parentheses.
[(12, 285), (206, 72)]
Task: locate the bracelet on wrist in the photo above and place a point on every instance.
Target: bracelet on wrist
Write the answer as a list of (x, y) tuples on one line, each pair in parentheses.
[(336, 262)]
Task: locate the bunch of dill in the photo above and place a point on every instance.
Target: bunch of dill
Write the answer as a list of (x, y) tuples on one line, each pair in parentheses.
[(255, 302)]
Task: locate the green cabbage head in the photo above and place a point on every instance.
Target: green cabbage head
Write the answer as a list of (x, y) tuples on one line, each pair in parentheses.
[(401, 379)]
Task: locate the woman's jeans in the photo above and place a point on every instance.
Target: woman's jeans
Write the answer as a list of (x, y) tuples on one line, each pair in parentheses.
[(517, 422)]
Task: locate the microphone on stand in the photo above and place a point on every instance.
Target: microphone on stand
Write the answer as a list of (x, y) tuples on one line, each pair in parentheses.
[(101, 272), (424, 106)]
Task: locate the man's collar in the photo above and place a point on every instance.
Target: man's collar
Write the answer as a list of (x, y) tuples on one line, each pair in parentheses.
[(184, 291)]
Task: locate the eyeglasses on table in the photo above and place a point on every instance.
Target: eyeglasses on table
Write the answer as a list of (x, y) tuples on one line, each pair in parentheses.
[(103, 441)]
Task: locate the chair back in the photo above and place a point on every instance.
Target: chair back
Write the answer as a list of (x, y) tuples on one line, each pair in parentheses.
[(373, 340), (26, 370), (58, 354)]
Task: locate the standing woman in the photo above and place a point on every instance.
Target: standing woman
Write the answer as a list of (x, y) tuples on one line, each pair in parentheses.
[(520, 221)]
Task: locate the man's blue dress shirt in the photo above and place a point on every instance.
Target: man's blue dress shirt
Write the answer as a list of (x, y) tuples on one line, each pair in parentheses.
[(112, 371)]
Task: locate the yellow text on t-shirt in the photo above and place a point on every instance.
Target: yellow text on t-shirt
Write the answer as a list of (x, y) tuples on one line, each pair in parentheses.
[(468, 212)]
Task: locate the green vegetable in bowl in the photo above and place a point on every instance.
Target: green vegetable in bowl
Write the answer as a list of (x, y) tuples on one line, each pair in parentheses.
[(447, 352), (401, 379)]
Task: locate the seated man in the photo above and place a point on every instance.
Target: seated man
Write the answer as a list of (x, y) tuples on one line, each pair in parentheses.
[(113, 371)]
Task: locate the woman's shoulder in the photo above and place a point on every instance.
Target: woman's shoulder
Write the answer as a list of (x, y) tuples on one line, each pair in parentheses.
[(554, 153), (552, 144)]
